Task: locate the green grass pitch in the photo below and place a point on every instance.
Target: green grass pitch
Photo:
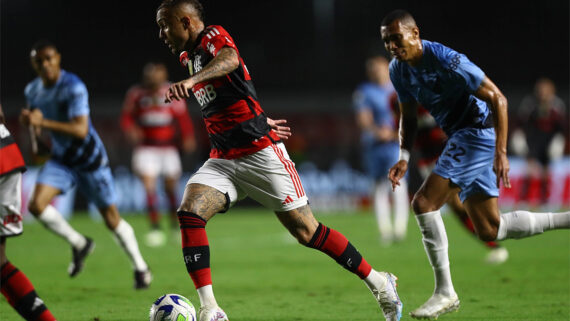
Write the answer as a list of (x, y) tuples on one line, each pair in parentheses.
[(261, 274)]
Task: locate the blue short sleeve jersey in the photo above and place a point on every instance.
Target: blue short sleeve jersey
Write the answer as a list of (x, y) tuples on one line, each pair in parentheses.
[(376, 98), (68, 99), (378, 156), (444, 83)]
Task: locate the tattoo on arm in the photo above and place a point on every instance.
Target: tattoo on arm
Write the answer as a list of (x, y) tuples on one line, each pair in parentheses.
[(225, 62)]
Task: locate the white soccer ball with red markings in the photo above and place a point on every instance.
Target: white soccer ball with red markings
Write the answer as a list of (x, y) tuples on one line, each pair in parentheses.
[(172, 307)]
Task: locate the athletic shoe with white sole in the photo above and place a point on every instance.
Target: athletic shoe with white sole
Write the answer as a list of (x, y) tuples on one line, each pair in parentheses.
[(497, 256), (437, 305), (387, 296), (142, 279), (212, 313)]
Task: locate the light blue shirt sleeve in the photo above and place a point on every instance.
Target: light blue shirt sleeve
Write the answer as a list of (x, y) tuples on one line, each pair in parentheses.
[(359, 101), (467, 70), (403, 95), (78, 100)]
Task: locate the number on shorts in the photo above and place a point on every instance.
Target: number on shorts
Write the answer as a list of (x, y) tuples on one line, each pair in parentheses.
[(455, 152)]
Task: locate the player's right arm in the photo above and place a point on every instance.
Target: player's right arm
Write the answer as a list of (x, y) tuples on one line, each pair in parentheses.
[(225, 61), (408, 129), (77, 127)]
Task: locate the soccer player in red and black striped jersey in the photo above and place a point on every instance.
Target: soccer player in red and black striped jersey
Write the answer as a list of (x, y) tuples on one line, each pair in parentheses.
[(247, 158), (15, 286)]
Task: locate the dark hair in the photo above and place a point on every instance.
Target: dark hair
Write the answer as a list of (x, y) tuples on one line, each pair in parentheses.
[(399, 14), (169, 4), (42, 44)]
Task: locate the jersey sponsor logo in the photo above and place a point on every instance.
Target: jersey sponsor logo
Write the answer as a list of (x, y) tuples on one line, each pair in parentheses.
[(205, 95), (455, 61)]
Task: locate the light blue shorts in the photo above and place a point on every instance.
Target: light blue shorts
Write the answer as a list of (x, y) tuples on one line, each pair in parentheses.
[(97, 186), (467, 161)]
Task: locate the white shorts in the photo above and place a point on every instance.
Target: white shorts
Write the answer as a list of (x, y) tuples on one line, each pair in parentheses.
[(268, 177), (10, 204), (156, 161)]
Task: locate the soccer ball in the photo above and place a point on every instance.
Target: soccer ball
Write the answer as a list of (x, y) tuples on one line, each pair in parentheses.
[(172, 307)]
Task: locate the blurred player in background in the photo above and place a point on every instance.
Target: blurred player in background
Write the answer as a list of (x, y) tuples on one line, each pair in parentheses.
[(247, 158), (152, 126), (59, 102), (472, 111), (379, 138), (541, 123), (429, 143), (15, 286)]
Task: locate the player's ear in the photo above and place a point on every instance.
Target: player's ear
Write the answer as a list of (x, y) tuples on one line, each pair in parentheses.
[(185, 22), (416, 32)]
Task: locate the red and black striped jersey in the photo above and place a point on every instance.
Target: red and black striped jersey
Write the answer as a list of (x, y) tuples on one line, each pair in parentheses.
[(10, 157), (235, 122)]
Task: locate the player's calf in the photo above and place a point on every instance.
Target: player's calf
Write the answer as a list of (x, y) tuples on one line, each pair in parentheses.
[(21, 295)]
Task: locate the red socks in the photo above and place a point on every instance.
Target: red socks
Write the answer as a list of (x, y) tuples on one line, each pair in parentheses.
[(195, 248), (335, 245), (21, 295)]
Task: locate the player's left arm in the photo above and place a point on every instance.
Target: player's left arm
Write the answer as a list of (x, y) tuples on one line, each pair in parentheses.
[(494, 98), (77, 127), (223, 63)]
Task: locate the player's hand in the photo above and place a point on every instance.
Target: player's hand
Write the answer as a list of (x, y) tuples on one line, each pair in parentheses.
[(134, 135), (281, 131), (179, 90), (31, 117), (501, 169), (397, 172), (189, 144)]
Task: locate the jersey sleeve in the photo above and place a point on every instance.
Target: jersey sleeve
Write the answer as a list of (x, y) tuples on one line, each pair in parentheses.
[(217, 38), (78, 100), (403, 95), (463, 67), (359, 101)]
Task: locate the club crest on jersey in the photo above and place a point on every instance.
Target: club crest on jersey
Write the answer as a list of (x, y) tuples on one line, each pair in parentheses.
[(197, 63)]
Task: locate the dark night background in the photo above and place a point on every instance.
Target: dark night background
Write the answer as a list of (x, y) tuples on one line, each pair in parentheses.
[(305, 56)]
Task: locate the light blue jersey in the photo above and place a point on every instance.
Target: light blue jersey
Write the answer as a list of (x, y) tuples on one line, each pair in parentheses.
[(378, 156), (444, 83), (68, 99), (74, 161)]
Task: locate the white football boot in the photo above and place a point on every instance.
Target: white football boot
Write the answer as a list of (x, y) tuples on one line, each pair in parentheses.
[(437, 305), (387, 296), (497, 256), (212, 313)]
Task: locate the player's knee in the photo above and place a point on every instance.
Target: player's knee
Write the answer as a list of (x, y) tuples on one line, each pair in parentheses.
[(489, 234), (36, 207), (421, 204)]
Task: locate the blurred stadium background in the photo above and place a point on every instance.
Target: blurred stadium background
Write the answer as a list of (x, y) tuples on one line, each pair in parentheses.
[(306, 58)]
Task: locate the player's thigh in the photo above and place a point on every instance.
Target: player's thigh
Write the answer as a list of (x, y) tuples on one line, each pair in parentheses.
[(211, 189), (484, 213), (146, 161), (433, 194), (270, 178), (98, 186), (53, 179), (300, 222), (203, 200), (3, 258), (170, 165)]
